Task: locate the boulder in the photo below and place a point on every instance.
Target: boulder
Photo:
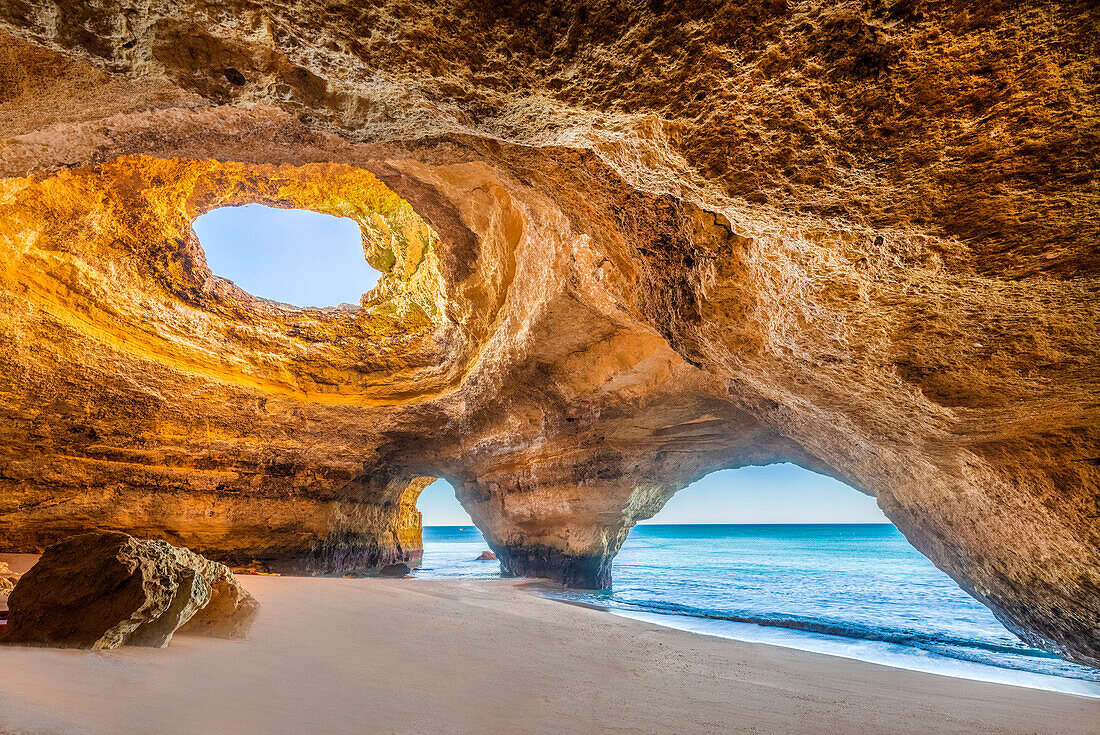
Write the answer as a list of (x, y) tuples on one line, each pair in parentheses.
[(105, 589), (230, 612), (394, 570), (486, 556)]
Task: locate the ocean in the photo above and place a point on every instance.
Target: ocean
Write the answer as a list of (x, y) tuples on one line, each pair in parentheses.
[(858, 591)]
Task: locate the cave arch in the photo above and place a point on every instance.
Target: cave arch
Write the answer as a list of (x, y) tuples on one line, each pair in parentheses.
[(439, 506)]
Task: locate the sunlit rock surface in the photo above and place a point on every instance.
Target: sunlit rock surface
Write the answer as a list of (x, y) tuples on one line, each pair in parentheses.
[(658, 239), (8, 578)]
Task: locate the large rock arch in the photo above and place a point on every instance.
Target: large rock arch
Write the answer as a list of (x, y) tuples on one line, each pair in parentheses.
[(664, 248)]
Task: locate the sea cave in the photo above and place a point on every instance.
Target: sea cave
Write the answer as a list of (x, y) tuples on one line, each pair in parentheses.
[(616, 250)]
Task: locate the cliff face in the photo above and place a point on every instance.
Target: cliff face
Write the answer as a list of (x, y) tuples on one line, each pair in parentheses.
[(624, 245)]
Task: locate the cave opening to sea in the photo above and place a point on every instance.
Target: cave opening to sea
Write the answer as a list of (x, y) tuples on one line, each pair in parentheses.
[(782, 555), (292, 256), (439, 506), (452, 543)]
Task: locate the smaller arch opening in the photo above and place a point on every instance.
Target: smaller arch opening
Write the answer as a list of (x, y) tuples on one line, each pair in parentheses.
[(292, 256), (439, 507), (773, 494), (452, 543)]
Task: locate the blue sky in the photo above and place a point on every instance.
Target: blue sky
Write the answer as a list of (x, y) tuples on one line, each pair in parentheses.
[(290, 255), (311, 259), (778, 493)]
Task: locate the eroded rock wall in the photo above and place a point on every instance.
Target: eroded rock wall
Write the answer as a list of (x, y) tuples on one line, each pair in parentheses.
[(671, 238)]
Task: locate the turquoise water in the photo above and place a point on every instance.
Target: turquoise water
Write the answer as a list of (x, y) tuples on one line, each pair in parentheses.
[(859, 591)]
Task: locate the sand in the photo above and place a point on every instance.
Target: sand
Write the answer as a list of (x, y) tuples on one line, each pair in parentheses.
[(371, 656)]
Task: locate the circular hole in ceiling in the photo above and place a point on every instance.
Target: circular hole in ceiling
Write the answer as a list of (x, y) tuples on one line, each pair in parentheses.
[(292, 256)]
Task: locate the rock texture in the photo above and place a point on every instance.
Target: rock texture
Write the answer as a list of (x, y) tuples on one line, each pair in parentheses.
[(658, 239), (229, 612), (8, 578), (107, 589)]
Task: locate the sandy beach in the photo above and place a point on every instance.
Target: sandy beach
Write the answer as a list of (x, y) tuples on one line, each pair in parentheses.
[(474, 656)]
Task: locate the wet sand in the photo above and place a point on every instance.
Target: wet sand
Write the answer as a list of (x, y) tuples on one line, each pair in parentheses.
[(362, 656)]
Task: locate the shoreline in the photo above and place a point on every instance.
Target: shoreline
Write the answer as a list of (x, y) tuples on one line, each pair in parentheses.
[(906, 658), (490, 656), (878, 653)]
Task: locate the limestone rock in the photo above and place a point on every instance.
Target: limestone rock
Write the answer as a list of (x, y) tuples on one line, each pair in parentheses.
[(486, 556), (106, 589), (395, 570), (623, 245), (8, 578), (6, 586), (230, 611)]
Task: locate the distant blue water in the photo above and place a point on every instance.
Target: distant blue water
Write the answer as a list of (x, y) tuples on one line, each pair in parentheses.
[(859, 591)]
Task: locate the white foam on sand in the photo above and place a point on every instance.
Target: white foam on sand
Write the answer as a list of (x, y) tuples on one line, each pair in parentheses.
[(877, 652)]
